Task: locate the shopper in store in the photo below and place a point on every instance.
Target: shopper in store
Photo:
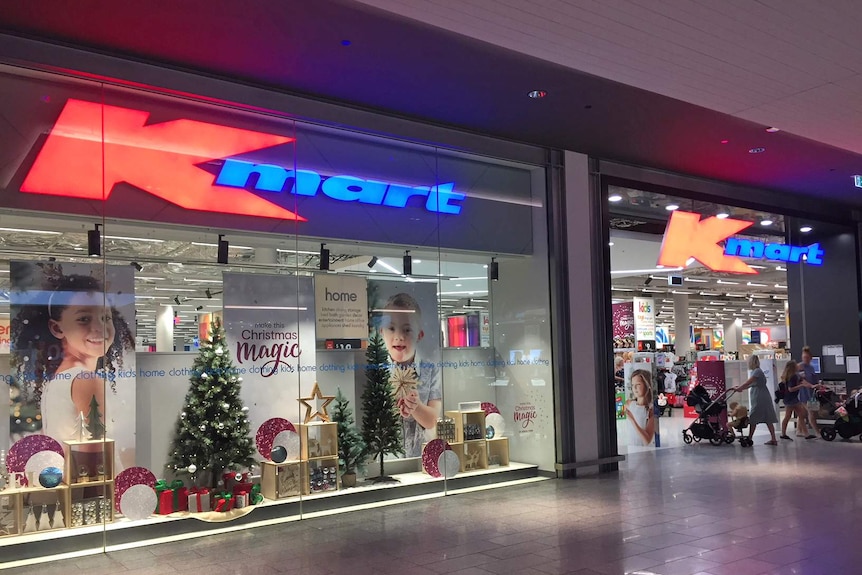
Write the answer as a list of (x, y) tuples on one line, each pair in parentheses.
[(639, 410), (401, 328), (761, 401), (792, 404), (67, 351), (806, 395)]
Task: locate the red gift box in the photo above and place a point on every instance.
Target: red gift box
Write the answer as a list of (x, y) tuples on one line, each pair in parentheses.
[(166, 502), (181, 499), (225, 504), (240, 487)]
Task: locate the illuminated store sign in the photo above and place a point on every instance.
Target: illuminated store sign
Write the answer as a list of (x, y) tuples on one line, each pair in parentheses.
[(93, 147), (688, 236)]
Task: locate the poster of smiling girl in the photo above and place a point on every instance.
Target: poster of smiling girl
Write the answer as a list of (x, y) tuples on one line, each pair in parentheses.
[(73, 352)]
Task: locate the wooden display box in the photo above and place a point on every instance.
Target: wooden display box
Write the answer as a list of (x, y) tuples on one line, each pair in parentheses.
[(473, 422), (95, 501), (319, 474), (17, 506), (280, 480), (473, 455), (95, 458), (318, 439), (498, 452)]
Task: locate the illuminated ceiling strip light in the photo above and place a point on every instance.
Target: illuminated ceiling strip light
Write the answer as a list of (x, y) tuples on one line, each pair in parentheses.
[(202, 281), (472, 278), (305, 252), (646, 271), (388, 267), (173, 289), (280, 307), (216, 245), (697, 281), (153, 278), (151, 240), (779, 286), (725, 282), (477, 292), (752, 284), (30, 231)]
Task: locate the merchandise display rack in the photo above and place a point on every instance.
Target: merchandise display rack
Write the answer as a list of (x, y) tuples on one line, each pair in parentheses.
[(474, 450)]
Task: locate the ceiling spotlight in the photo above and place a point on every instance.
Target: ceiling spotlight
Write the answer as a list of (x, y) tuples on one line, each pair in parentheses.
[(94, 241), (199, 308), (494, 270), (407, 260), (177, 299), (611, 244), (209, 293), (766, 222), (648, 281), (615, 198), (537, 94), (671, 207), (805, 229), (757, 150), (324, 258), (372, 262), (137, 266), (222, 249), (722, 215), (773, 129)]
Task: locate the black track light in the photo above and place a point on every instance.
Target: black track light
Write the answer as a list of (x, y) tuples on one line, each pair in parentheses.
[(199, 308), (372, 262), (494, 270), (222, 249), (209, 293), (648, 281), (177, 300), (94, 241), (408, 263), (324, 258), (137, 266)]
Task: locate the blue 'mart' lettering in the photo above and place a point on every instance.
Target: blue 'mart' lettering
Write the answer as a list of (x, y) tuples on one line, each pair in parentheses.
[(812, 254), (273, 178)]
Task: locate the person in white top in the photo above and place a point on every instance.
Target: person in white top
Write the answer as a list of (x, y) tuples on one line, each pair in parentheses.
[(67, 349), (639, 410)]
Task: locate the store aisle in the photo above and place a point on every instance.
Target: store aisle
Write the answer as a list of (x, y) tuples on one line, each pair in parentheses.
[(697, 509)]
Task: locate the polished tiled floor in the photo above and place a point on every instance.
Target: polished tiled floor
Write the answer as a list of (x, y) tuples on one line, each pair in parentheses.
[(694, 509)]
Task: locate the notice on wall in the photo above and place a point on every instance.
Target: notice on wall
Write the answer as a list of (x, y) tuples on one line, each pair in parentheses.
[(4, 335), (644, 309), (623, 325), (852, 364), (484, 329), (341, 304)]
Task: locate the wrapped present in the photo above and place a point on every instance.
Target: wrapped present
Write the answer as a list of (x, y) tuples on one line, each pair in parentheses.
[(181, 499), (241, 499), (171, 496), (223, 501), (239, 487), (198, 500), (255, 497)]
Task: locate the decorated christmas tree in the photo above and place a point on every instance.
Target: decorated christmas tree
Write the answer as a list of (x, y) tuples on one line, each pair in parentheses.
[(212, 432), (381, 421), (95, 425), (351, 446)]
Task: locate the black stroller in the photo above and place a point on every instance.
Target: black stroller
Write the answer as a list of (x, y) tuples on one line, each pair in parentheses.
[(848, 420), (711, 422)]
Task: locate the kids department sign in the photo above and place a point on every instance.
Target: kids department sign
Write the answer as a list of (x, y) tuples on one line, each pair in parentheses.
[(688, 236)]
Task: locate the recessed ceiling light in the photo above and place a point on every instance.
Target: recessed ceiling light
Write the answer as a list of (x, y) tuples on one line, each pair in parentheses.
[(756, 150), (805, 229), (766, 222), (722, 215), (773, 129), (725, 141), (537, 94), (671, 207), (615, 198), (610, 243)]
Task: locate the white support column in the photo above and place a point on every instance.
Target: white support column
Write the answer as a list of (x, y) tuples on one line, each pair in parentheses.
[(165, 328), (732, 335), (681, 324)]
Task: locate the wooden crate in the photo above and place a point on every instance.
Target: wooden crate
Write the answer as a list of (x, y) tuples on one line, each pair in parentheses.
[(280, 480), (498, 451), (96, 456), (319, 475), (318, 439), (474, 455), (465, 420)]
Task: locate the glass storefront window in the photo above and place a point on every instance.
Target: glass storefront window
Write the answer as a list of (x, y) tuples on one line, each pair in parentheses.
[(197, 296)]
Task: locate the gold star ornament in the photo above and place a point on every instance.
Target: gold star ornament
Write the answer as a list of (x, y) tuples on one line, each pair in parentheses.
[(311, 409)]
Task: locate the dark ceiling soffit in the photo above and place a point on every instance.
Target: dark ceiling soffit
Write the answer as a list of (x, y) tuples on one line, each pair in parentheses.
[(169, 80), (692, 187)]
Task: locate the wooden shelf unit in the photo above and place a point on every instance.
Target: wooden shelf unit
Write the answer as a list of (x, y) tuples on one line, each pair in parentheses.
[(318, 439), (280, 480), (315, 472)]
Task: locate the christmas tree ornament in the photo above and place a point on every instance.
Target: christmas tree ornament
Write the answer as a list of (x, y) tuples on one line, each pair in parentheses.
[(192, 468), (50, 477), (489, 432), (318, 411), (279, 454), (404, 382)]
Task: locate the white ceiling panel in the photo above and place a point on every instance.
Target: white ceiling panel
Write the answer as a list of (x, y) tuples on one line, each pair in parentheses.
[(794, 64)]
